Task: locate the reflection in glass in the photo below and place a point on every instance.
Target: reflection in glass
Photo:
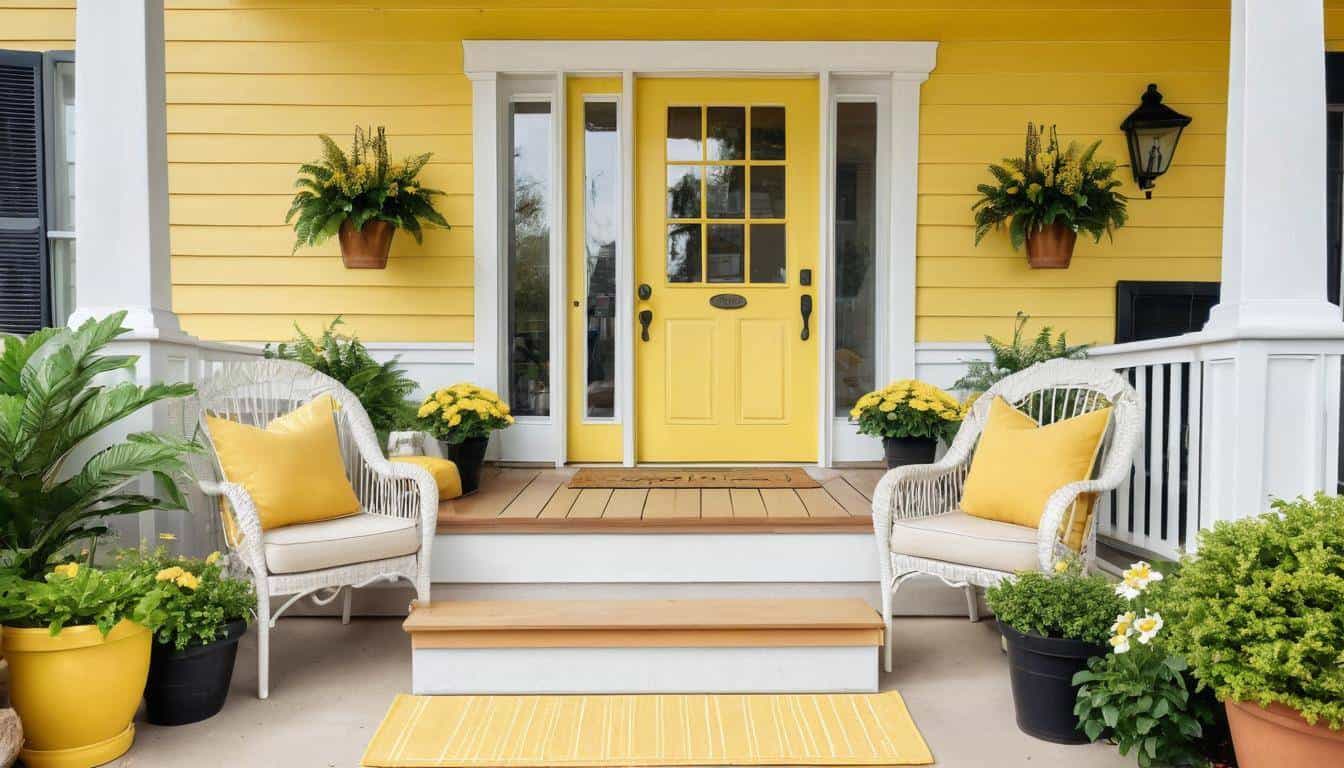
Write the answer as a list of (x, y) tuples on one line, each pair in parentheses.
[(683, 133), (727, 129), (767, 133), (62, 214), (683, 191), (768, 263), (601, 157), (683, 253), (855, 248), (725, 254), (529, 259), (767, 191), (725, 191)]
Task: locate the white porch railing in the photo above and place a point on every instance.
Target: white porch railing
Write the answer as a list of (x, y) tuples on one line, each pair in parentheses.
[(1157, 510)]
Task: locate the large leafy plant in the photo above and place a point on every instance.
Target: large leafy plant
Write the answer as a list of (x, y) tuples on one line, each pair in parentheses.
[(1258, 613), (1018, 354), (359, 187), (196, 598), (72, 595), (1066, 605), (908, 408), (1044, 187), (52, 400), (382, 388)]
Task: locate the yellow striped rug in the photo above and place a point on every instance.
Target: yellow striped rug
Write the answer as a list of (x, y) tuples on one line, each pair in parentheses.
[(654, 730)]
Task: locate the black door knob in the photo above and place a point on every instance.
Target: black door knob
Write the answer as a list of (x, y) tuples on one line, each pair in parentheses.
[(806, 307), (645, 317)]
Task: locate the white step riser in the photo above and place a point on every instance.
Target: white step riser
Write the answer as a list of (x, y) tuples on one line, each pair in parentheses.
[(811, 669)]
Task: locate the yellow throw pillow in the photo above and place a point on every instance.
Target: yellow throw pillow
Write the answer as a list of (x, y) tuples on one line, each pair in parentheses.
[(292, 469), (1018, 465), (444, 472)]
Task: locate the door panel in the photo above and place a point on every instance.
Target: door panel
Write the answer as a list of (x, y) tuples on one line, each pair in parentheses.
[(726, 224)]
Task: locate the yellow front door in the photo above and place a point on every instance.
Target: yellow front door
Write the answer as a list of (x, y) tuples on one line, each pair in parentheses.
[(726, 260)]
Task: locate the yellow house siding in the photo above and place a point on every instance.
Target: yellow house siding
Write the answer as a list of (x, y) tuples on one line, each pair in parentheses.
[(251, 81)]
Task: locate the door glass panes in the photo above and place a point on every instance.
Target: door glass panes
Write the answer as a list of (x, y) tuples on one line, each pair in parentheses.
[(726, 254), (529, 259), (683, 253), (61, 216), (855, 244), (767, 253), (601, 213), (715, 199)]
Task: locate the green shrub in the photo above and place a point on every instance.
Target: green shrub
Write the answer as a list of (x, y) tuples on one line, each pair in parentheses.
[(1259, 613), (1062, 605), (1017, 354), (196, 600), (73, 595), (382, 388)]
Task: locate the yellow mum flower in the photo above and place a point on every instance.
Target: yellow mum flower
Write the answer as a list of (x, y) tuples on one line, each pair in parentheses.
[(1061, 566), (919, 405), (213, 558), (187, 580), (69, 570), (428, 409), (453, 422), (887, 406), (508, 419), (504, 408), (169, 574)]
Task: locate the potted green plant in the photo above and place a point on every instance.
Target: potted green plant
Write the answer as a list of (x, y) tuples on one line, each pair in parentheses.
[(1141, 695), (77, 641), (1257, 613), (201, 615), (461, 418), (910, 416), (1048, 196), (1052, 623), (363, 198)]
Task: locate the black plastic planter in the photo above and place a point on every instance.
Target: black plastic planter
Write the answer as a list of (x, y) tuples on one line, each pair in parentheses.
[(468, 455), (1041, 670), (901, 451), (190, 685)]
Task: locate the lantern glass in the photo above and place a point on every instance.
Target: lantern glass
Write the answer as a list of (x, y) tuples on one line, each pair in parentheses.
[(1152, 148)]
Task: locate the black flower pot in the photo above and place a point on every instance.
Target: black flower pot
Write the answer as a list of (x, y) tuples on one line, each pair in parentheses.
[(190, 685), (469, 456), (909, 450), (1041, 670)]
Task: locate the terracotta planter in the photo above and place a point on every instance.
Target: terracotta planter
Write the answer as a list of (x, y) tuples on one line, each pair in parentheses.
[(1278, 737), (366, 248), (1052, 247)]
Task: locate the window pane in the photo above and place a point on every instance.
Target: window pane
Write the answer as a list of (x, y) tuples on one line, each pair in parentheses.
[(726, 191), (62, 215), (767, 191), (767, 133), (601, 157), (683, 133), (727, 127), (683, 191), (529, 260), (855, 242), (725, 253), (768, 263), (683, 253)]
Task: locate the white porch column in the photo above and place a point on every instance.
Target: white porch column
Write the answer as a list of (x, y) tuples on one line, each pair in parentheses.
[(1272, 364), (121, 168)]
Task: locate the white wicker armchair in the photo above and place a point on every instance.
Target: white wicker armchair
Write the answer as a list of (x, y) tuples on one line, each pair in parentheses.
[(390, 538), (915, 495)]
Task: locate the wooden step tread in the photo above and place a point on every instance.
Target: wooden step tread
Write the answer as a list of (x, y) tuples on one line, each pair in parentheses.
[(641, 615)]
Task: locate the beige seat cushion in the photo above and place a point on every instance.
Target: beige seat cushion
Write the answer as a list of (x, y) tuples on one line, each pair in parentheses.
[(344, 541), (956, 537)]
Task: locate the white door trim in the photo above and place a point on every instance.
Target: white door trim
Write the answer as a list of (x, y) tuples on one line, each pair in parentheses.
[(491, 64)]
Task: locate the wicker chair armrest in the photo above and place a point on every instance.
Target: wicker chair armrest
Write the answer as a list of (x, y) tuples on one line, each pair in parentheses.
[(247, 520), (399, 489), (918, 490)]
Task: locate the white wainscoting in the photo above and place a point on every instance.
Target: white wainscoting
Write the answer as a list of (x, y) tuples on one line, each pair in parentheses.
[(943, 362), (433, 364)]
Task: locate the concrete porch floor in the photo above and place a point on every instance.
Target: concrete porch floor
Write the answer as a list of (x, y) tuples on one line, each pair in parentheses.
[(331, 684)]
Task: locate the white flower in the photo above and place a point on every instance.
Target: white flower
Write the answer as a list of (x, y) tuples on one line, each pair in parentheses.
[(1148, 626), (1124, 624), (1127, 591), (1120, 643), (1136, 579)]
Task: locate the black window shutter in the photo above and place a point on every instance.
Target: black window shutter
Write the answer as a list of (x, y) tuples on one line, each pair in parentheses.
[(23, 227)]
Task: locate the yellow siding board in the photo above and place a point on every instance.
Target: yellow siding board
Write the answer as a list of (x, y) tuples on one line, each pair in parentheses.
[(296, 149), (962, 301), (318, 300), (1071, 119), (1158, 212), (267, 178), (1085, 272), (270, 209), (1136, 242), (278, 240), (306, 270), (407, 57), (327, 89), (1035, 56), (974, 328), (1195, 149), (1073, 88), (1181, 181), (271, 119), (263, 328)]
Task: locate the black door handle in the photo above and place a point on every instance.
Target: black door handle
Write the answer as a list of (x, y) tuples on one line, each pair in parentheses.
[(645, 317), (806, 307)]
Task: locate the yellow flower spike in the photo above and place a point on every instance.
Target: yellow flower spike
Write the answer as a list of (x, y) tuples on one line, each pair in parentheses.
[(169, 574), (213, 558), (1061, 566), (68, 570)]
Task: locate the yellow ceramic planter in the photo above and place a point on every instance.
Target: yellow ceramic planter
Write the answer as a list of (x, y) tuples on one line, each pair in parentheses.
[(77, 692)]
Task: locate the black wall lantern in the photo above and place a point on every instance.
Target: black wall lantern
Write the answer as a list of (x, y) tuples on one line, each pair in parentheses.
[(1152, 130)]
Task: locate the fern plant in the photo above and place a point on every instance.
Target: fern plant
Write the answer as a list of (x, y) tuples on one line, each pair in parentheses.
[(359, 187), (382, 388), (50, 404), (1017, 354), (1043, 187)]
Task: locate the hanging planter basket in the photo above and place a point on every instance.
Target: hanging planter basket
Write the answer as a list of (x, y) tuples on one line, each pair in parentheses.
[(366, 248), (1051, 247)]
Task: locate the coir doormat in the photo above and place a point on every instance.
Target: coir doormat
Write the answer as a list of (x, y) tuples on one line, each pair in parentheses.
[(765, 477)]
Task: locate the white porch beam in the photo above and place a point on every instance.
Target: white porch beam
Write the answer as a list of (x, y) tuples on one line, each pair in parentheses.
[(121, 168)]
